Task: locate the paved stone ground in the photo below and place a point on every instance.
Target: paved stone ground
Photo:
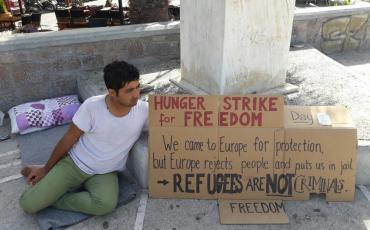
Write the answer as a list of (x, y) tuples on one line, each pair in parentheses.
[(163, 214), (357, 61), (322, 81), (178, 214)]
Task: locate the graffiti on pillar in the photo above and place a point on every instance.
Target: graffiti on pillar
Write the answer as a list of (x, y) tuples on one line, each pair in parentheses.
[(344, 33)]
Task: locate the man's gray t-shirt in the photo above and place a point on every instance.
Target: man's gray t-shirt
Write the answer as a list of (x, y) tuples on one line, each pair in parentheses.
[(107, 139)]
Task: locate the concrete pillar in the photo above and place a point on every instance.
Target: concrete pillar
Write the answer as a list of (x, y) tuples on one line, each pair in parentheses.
[(235, 46)]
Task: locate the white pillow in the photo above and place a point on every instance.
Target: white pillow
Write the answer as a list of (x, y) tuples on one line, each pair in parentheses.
[(40, 115), (14, 125)]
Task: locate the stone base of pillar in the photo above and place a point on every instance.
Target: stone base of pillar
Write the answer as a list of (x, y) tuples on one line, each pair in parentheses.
[(284, 89)]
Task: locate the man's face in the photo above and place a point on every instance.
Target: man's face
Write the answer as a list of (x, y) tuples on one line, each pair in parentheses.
[(129, 94)]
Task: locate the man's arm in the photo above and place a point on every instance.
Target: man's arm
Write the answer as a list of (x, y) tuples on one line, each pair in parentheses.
[(35, 173)]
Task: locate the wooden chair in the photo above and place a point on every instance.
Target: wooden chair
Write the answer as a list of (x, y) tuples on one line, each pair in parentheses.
[(103, 16), (36, 19), (79, 17), (174, 12), (97, 22), (63, 18), (115, 14), (7, 21)]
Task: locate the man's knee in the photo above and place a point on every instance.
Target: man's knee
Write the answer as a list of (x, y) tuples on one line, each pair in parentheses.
[(28, 205), (104, 205)]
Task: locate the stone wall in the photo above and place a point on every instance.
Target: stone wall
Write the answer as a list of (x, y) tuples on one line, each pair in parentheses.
[(333, 29), (143, 11), (44, 65), (38, 66)]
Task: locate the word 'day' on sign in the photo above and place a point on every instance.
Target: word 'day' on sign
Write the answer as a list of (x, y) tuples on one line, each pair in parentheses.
[(252, 212)]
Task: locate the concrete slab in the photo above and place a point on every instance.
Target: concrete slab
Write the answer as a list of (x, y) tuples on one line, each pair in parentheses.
[(11, 168), (5, 127), (122, 218), (322, 81), (363, 162), (280, 90), (9, 151), (11, 155), (196, 214), (357, 61), (183, 84), (313, 214), (11, 215)]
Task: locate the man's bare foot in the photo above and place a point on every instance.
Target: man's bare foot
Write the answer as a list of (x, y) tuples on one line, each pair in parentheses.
[(26, 171)]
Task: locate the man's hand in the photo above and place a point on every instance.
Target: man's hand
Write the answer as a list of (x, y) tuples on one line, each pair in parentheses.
[(34, 173)]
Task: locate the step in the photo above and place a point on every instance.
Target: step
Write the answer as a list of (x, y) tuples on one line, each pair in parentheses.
[(91, 83)]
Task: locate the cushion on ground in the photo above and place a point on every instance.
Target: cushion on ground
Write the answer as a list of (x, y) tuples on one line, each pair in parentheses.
[(40, 115)]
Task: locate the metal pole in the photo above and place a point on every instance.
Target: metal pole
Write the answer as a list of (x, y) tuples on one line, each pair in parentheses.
[(120, 11), (20, 6)]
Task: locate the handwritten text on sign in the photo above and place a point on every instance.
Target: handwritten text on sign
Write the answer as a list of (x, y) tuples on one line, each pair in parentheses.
[(249, 212), (202, 111), (190, 160)]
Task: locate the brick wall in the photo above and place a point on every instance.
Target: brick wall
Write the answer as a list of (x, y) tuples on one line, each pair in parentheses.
[(49, 68)]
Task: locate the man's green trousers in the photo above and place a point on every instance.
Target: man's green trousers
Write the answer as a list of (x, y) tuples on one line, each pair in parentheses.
[(99, 193)]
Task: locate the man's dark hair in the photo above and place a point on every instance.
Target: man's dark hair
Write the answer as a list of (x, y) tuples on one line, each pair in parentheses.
[(118, 73)]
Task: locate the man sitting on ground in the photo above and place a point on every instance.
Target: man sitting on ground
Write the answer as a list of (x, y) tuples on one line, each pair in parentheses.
[(93, 149)]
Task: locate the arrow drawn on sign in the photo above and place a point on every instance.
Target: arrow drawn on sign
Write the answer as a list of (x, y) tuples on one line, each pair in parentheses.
[(164, 182)]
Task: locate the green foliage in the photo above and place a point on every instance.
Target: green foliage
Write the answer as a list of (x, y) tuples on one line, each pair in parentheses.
[(2, 7), (325, 2), (337, 2)]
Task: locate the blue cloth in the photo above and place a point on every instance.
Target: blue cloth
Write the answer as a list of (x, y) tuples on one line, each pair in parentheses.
[(51, 218), (34, 153)]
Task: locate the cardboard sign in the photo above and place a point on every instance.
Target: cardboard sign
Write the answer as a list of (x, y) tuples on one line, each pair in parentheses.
[(322, 158), (248, 147), (252, 212)]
